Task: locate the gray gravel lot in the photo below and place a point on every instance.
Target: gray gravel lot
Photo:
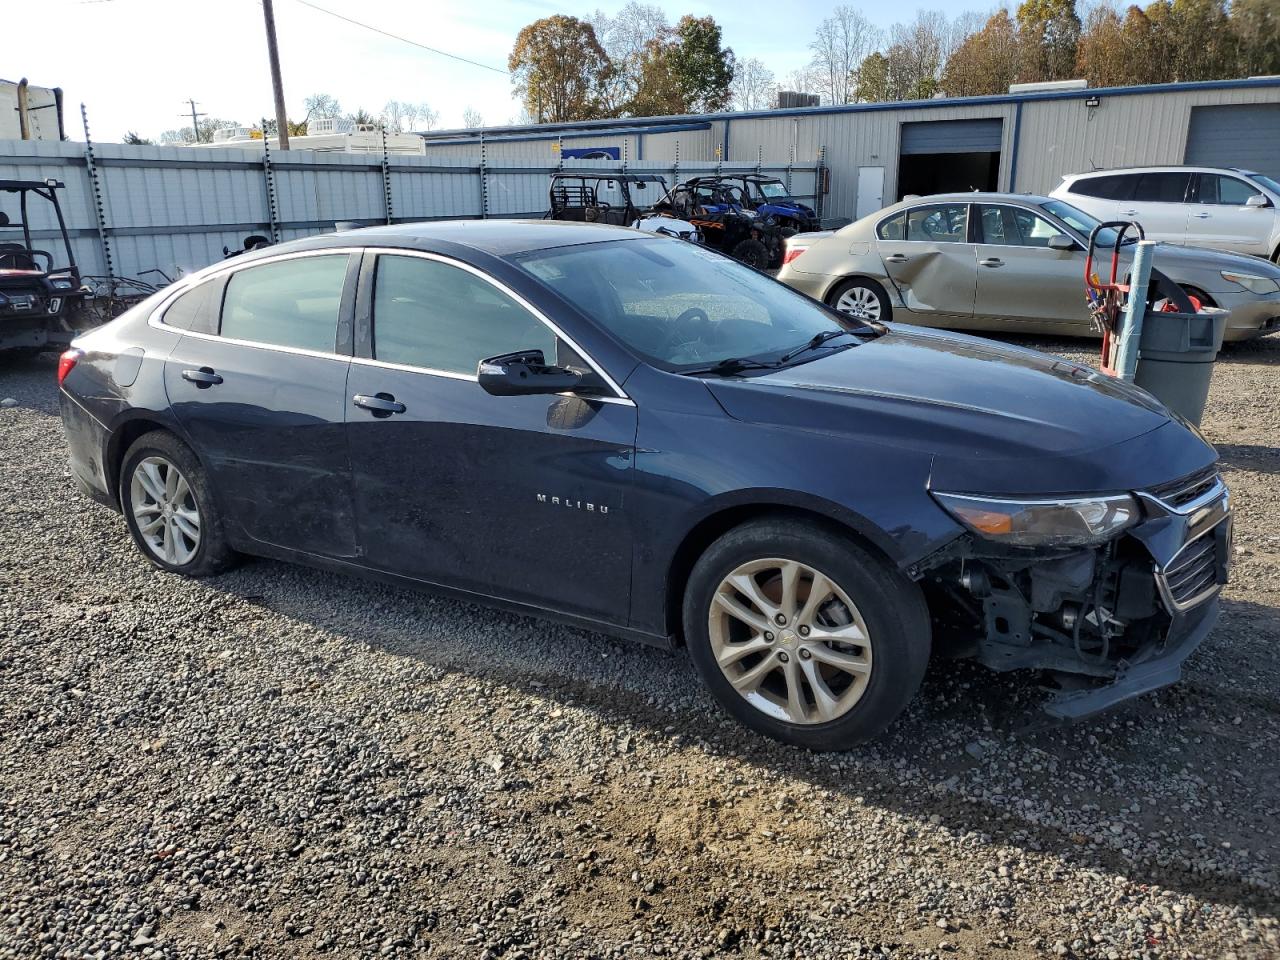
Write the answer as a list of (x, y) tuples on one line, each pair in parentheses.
[(283, 763)]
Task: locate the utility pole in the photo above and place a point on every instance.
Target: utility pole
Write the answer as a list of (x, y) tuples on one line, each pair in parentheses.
[(282, 119), (195, 123)]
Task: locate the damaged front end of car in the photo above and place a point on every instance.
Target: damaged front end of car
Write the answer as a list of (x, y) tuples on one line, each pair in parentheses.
[(1108, 595)]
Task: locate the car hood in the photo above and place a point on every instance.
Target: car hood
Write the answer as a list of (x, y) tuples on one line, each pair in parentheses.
[(1169, 254), (991, 415)]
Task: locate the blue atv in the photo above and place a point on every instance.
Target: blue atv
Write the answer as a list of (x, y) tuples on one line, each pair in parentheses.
[(727, 222), (766, 197)]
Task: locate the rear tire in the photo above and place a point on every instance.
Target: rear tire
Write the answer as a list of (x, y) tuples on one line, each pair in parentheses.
[(169, 508), (861, 298), (841, 668)]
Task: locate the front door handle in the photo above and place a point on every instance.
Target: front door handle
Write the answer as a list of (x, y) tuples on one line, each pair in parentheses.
[(380, 404), (1201, 216), (204, 378), (991, 262), (896, 258), (1131, 213)]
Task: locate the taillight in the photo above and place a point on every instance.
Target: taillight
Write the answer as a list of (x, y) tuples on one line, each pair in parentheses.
[(791, 253), (68, 360)]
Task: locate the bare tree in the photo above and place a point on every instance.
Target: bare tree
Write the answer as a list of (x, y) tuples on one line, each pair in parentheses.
[(320, 106), (918, 54), (625, 38), (471, 118), (392, 116), (841, 42), (753, 86), (426, 117)]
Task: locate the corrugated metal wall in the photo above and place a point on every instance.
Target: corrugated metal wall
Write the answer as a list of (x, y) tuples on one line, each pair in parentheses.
[(174, 209), (1066, 136)]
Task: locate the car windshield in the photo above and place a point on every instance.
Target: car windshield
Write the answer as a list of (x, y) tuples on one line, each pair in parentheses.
[(685, 308), (1082, 223), (1265, 181), (773, 189)]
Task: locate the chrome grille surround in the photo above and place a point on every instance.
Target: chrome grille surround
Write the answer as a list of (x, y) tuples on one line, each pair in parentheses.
[(1201, 504)]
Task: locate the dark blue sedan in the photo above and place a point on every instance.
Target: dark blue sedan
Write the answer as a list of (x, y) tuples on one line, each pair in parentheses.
[(643, 437)]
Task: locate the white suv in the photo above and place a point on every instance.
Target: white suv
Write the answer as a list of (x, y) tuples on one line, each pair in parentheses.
[(1221, 207)]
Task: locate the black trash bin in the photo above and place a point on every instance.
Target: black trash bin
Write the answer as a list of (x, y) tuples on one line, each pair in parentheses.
[(1176, 353)]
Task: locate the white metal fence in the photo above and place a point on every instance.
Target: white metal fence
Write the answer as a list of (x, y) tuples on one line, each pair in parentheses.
[(134, 209)]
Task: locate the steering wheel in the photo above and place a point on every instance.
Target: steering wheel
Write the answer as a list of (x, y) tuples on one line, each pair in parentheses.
[(684, 330)]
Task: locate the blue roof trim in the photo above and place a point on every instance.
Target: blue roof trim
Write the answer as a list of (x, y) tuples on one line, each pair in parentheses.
[(666, 124), (575, 134)]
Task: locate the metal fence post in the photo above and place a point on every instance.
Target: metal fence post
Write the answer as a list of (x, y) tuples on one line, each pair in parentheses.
[(624, 154), (791, 162), (95, 186), (819, 197), (675, 169), (484, 181), (386, 174), (269, 181), (760, 158), (559, 153)]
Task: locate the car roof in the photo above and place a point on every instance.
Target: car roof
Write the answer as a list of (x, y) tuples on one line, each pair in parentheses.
[(499, 238), (1156, 168), (973, 196)]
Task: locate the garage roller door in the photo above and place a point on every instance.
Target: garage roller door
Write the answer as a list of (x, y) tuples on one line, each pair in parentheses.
[(1245, 135), (952, 136)]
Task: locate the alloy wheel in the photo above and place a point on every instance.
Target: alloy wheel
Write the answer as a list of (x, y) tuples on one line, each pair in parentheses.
[(790, 641), (860, 302), (165, 510)]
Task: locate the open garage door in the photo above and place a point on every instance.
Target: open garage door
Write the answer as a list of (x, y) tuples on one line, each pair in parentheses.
[(1243, 135), (942, 156)]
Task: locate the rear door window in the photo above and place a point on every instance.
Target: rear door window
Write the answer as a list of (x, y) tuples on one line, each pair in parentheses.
[(289, 303), (940, 223), (1166, 187), (1225, 191)]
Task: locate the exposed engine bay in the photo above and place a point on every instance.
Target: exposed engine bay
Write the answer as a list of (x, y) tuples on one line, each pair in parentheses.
[(1124, 612)]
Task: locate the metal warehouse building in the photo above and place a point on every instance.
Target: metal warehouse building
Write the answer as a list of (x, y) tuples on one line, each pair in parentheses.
[(876, 153)]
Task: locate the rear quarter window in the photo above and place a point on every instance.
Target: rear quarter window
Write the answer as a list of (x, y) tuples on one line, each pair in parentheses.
[(1113, 187), (197, 309)]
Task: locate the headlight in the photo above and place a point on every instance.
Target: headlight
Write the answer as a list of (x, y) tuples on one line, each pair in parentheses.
[(61, 284), (1252, 282), (1041, 523)]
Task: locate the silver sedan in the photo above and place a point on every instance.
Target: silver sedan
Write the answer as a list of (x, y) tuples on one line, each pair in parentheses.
[(1004, 262)]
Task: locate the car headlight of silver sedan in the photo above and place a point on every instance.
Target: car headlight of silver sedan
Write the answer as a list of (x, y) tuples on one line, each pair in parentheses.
[(1043, 523), (1252, 282)]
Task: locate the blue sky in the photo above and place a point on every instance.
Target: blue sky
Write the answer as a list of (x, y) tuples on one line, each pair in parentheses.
[(133, 62)]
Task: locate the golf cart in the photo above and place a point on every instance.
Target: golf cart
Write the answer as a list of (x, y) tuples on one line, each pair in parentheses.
[(38, 297), (721, 212), (623, 199), (766, 196)]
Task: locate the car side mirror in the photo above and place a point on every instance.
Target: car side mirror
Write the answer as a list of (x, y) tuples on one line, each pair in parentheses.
[(1257, 200), (525, 373), (1060, 241)]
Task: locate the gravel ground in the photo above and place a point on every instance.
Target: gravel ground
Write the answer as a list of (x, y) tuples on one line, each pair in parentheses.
[(283, 763)]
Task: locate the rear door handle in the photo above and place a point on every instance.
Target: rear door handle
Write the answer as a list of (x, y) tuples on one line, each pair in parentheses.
[(992, 262), (202, 378), (896, 258), (380, 404), (1131, 213), (1201, 216)]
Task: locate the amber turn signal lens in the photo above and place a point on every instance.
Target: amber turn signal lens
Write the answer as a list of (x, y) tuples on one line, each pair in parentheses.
[(986, 521)]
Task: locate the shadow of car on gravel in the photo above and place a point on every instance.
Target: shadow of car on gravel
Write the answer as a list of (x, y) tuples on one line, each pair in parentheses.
[(971, 753)]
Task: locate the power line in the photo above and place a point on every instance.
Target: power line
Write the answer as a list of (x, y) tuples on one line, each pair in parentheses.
[(394, 36)]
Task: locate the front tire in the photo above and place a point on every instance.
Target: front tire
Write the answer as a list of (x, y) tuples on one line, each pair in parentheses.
[(753, 253), (862, 299), (169, 508), (803, 635)]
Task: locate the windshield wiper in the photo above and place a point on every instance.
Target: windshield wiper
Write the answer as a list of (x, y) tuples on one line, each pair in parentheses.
[(817, 340), (730, 365)]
